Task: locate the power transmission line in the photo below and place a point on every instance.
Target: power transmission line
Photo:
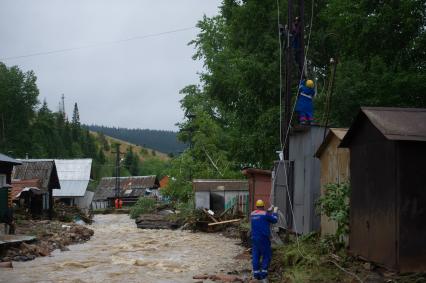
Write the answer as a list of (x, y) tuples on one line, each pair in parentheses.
[(96, 44)]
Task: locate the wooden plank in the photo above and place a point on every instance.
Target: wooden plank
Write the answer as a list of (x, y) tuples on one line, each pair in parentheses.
[(224, 222), (210, 216)]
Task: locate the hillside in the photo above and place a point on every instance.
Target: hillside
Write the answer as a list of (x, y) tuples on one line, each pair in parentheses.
[(142, 152), (163, 141)]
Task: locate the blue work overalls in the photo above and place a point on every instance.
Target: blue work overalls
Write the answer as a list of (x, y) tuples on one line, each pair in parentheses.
[(304, 104), (261, 243)]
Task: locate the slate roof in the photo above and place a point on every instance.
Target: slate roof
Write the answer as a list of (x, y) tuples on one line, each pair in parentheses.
[(44, 171), (133, 186), (394, 123)]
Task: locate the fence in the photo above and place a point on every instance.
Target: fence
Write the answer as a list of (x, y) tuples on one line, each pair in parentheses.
[(241, 202)]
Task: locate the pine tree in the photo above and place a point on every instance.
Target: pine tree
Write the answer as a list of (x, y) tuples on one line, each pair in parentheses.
[(75, 116)]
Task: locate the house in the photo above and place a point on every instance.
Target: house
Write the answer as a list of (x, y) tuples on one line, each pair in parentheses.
[(45, 172), (334, 169), (260, 185), (74, 177), (388, 187), (27, 194), (6, 168), (303, 171), (221, 194), (131, 188)]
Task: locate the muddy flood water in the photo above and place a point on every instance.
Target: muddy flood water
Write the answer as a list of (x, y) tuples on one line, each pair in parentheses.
[(120, 252)]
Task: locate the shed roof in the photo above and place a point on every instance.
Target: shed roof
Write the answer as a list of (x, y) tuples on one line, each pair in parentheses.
[(45, 171), (253, 171), (217, 184), (394, 123), (333, 132), (129, 186), (7, 159)]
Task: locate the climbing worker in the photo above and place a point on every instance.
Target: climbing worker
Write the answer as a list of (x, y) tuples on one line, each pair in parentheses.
[(260, 236), (304, 104)]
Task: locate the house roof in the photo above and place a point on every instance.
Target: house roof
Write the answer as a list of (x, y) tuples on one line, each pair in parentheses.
[(333, 132), (394, 123), (74, 176), (129, 186), (45, 171), (164, 181), (219, 185), (7, 159)]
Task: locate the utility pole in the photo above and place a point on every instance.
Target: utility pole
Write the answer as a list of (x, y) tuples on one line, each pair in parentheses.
[(302, 37), (117, 170), (286, 91)]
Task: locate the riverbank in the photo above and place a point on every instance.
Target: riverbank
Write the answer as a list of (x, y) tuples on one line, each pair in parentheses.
[(50, 235)]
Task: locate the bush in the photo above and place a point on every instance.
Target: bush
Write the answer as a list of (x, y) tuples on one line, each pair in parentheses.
[(335, 204), (143, 205)]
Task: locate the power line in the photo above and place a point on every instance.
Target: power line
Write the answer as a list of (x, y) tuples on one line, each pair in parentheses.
[(96, 44)]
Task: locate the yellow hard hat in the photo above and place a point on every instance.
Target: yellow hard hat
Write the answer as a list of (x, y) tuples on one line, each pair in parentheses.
[(260, 203), (310, 83)]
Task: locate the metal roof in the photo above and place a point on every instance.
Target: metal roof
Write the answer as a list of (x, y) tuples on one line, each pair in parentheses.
[(129, 186), (394, 123), (74, 176), (220, 184), (7, 159)]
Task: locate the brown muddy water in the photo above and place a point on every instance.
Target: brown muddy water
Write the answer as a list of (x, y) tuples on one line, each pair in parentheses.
[(120, 252)]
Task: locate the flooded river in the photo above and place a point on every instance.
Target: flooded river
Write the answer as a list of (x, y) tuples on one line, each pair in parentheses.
[(120, 252)]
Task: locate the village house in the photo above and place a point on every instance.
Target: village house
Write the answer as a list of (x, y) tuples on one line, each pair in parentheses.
[(74, 177), (388, 181), (131, 189), (46, 175), (220, 194), (334, 169)]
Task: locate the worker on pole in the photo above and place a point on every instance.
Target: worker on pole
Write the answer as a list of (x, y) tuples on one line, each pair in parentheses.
[(304, 103), (261, 221)]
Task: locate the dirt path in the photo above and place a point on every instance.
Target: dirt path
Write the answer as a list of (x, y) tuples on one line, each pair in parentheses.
[(119, 252)]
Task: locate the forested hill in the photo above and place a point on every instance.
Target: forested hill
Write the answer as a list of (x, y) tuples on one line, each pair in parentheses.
[(164, 141)]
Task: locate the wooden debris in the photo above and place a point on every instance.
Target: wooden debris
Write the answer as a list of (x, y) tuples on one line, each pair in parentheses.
[(224, 222), (210, 216)]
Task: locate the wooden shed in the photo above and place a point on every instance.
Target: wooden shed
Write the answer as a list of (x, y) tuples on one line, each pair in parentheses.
[(388, 180), (259, 186), (304, 181), (334, 169)]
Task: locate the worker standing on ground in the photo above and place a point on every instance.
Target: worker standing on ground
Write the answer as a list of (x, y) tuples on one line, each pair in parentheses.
[(304, 103), (260, 235)]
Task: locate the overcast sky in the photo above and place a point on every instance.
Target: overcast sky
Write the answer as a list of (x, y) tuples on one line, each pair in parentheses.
[(133, 83)]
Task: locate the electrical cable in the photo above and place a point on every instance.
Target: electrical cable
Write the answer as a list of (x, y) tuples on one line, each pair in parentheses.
[(281, 78), (96, 44)]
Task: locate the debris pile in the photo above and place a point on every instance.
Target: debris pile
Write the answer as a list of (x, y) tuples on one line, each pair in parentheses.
[(155, 221), (219, 277), (68, 213), (50, 235)]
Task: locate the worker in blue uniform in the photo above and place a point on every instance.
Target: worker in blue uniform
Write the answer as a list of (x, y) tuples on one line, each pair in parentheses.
[(261, 221), (304, 103)]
